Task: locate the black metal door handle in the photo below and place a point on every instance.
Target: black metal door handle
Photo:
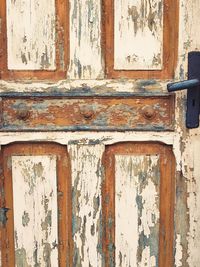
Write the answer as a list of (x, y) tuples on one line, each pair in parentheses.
[(193, 89)]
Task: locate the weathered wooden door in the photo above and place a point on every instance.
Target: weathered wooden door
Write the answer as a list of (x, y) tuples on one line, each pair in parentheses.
[(97, 166)]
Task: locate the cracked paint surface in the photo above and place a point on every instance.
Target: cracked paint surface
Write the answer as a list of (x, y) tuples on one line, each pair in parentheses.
[(35, 210), (85, 40), (138, 23), (137, 210), (86, 204), (186, 143), (31, 34)]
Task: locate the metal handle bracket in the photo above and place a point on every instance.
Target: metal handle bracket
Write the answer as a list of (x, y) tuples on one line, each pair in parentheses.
[(193, 89)]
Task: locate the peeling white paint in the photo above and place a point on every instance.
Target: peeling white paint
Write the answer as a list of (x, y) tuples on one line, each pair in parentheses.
[(189, 140), (179, 254), (31, 34), (106, 138), (86, 204), (35, 210), (85, 40), (147, 259), (191, 172), (86, 63), (138, 34), (150, 212), (117, 85), (136, 210)]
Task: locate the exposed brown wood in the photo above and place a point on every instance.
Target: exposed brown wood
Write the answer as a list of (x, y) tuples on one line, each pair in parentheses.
[(170, 44), (167, 186), (1, 206), (144, 113), (64, 198), (62, 48), (167, 195)]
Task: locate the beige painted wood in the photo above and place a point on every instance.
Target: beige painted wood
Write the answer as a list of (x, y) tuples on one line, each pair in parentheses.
[(85, 40), (35, 210), (191, 172), (193, 160), (187, 238), (138, 34), (31, 34), (86, 204), (85, 138), (187, 241), (137, 181), (112, 85)]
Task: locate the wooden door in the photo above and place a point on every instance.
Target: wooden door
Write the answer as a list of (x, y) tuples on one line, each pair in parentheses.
[(97, 166)]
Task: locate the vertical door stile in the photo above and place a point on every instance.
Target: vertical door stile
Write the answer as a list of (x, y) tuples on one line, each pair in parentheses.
[(86, 59), (86, 204)]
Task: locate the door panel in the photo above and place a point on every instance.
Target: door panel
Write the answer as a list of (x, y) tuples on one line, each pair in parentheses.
[(37, 193), (35, 210), (37, 51), (138, 201), (97, 28), (138, 23), (141, 38), (33, 39)]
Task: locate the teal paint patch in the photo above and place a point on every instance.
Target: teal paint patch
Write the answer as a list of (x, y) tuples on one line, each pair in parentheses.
[(21, 258), (148, 172), (25, 219), (3, 216)]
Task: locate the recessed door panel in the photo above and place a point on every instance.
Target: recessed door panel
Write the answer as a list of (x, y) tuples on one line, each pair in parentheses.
[(37, 196), (138, 199)]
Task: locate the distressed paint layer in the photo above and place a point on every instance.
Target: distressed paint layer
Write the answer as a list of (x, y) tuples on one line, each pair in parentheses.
[(86, 204), (31, 34), (85, 40), (137, 210), (96, 86), (88, 114), (179, 255), (189, 40), (138, 34), (192, 174), (35, 210), (188, 193)]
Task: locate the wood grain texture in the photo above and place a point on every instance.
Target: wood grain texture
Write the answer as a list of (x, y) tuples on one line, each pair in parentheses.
[(26, 161), (85, 40), (114, 33), (34, 45), (86, 204), (150, 113), (146, 241), (138, 35)]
